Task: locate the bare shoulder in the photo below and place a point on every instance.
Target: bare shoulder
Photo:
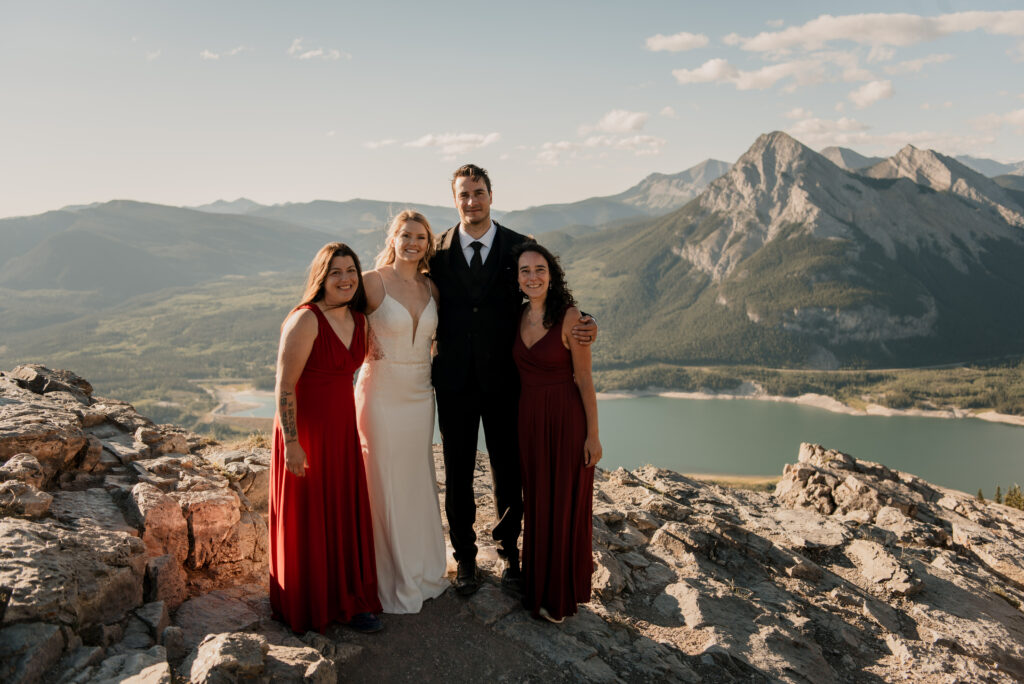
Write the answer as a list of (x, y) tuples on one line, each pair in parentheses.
[(300, 322), (572, 317), (434, 292), (373, 285)]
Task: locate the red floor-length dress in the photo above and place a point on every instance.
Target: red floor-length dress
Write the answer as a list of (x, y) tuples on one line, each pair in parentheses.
[(557, 486), (322, 565)]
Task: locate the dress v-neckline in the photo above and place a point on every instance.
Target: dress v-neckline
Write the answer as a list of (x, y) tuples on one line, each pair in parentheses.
[(415, 319), (327, 320), (539, 339)]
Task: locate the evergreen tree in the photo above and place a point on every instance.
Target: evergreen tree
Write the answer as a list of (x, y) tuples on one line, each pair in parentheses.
[(980, 496), (1014, 497), (999, 495)]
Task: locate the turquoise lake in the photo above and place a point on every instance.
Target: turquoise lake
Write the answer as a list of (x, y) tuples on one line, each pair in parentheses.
[(746, 437)]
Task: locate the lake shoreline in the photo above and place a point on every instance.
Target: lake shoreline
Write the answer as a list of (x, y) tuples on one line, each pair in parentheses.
[(749, 390), (228, 404)]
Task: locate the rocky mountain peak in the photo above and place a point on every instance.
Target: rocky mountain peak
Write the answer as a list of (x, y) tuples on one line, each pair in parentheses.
[(777, 183), (848, 159), (924, 167), (661, 192), (945, 174)]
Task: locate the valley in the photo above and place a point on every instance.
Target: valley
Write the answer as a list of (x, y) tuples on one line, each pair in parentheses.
[(784, 270)]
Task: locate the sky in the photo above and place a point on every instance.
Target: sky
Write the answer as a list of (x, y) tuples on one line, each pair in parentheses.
[(184, 103)]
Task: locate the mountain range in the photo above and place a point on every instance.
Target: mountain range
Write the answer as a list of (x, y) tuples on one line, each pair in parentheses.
[(790, 260), (784, 258)]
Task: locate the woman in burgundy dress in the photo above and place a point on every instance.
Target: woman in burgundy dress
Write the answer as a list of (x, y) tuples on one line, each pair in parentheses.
[(558, 440), (321, 534)]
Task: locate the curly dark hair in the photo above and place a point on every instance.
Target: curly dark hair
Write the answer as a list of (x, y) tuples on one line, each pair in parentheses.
[(559, 297)]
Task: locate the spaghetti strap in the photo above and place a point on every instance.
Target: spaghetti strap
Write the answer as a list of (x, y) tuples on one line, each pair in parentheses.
[(382, 282)]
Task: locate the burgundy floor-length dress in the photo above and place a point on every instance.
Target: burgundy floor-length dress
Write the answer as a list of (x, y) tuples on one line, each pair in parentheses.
[(557, 486), (322, 565)]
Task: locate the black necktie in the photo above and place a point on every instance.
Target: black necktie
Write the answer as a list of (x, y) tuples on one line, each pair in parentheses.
[(476, 263)]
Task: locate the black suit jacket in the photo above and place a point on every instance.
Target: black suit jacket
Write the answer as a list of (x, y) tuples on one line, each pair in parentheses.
[(477, 325)]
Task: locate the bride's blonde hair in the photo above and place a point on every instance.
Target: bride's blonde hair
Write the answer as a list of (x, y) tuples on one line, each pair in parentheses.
[(387, 255)]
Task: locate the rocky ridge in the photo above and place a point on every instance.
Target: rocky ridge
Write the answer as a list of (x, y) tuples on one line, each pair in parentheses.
[(779, 183), (136, 552)]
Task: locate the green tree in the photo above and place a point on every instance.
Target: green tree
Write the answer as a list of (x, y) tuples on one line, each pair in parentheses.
[(1014, 497), (980, 496), (999, 495)]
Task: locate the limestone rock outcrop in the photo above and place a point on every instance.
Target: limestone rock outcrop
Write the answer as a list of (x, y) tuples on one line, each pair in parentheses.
[(107, 523), (149, 563)]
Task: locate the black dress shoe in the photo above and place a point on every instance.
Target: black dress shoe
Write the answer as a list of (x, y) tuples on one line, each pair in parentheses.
[(466, 582), (512, 580)]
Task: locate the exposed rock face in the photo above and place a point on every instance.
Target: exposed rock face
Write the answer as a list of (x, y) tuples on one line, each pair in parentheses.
[(154, 569), (101, 510)]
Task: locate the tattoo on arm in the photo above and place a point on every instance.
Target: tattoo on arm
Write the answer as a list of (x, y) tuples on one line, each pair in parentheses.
[(286, 410)]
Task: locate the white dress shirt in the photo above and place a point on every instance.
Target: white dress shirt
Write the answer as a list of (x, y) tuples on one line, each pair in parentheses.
[(487, 239)]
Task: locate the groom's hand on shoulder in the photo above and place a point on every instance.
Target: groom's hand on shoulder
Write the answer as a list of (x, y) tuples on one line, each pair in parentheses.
[(585, 330)]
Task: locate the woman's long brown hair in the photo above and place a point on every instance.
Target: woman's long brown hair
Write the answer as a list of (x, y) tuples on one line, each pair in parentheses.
[(318, 269)]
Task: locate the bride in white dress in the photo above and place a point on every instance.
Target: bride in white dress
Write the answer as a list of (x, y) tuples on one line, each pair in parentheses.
[(395, 413)]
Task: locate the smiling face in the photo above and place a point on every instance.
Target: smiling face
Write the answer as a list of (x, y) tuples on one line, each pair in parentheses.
[(534, 276), (473, 202), (341, 282), (411, 241)]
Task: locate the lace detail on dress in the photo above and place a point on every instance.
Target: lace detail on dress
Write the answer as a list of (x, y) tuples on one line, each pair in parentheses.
[(374, 349)]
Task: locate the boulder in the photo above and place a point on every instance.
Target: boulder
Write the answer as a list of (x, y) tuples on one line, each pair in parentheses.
[(213, 613), (28, 650), (164, 529), (21, 498), (879, 567), (93, 508), (244, 656), (138, 667), (69, 576), (51, 434), (23, 467), (166, 581)]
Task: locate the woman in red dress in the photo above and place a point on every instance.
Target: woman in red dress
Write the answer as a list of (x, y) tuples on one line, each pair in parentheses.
[(558, 440), (321, 534)]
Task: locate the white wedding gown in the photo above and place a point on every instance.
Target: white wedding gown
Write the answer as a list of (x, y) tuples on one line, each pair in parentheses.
[(395, 414)]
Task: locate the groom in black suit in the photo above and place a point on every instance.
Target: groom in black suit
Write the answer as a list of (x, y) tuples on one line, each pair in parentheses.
[(474, 375)]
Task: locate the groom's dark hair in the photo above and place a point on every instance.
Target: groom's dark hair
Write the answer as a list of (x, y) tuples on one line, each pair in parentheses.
[(472, 171)]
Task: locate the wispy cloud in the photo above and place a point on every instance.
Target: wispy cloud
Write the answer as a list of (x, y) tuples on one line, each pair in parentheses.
[(870, 93), (991, 122), (668, 112), (798, 113), (948, 104), (298, 50), (455, 143), (849, 132), (150, 56), (616, 121), (678, 42), (377, 144), (211, 55), (915, 65), (598, 146), (802, 72), (897, 29), (775, 23)]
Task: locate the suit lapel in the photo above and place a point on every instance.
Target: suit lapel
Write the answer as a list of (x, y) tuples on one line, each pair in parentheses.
[(495, 258), (457, 260)]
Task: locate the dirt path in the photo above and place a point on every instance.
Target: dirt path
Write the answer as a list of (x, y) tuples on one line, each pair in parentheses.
[(442, 643)]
